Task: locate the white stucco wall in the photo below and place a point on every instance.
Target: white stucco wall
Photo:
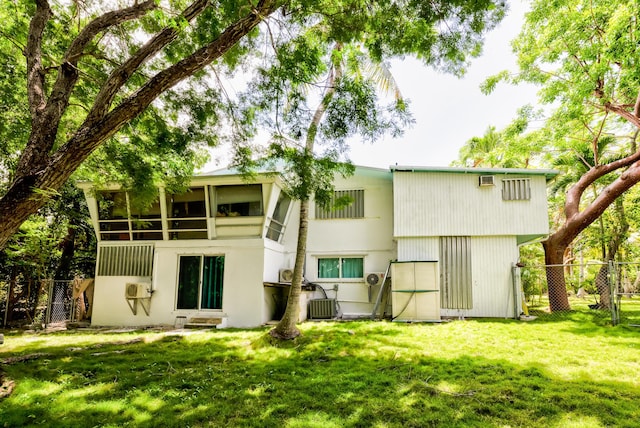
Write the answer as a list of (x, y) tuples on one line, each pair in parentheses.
[(370, 238), (243, 291)]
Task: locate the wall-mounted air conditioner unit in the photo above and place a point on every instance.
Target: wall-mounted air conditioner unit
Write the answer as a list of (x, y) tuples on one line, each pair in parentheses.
[(374, 278), (286, 275), (137, 290), (487, 180)]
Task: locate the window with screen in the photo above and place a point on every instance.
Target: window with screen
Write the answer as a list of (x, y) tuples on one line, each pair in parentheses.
[(238, 200)]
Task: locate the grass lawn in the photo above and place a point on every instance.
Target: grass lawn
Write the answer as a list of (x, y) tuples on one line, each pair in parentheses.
[(474, 373)]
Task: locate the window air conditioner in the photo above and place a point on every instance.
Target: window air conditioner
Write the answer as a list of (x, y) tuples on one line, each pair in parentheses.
[(286, 275), (137, 290), (487, 180)]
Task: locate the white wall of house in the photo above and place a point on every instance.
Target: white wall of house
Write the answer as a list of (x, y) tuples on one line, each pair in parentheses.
[(243, 291), (453, 204), (370, 237), (110, 306), (492, 258)]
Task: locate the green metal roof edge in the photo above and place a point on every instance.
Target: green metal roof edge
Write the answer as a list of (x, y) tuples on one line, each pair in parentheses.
[(230, 171), (548, 173)]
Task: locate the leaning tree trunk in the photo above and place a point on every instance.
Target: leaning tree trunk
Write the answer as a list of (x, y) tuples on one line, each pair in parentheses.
[(286, 328)]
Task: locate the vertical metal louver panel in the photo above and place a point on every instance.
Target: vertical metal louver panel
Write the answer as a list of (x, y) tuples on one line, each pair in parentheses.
[(126, 260), (516, 189), (354, 210), (455, 272)]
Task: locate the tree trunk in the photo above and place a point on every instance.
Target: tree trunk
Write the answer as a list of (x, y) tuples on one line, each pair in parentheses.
[(286, 328), (554, 259), (11, 297)]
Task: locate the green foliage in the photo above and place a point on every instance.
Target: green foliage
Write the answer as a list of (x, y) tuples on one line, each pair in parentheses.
[(327, 81), (36, 251), (583, 55)]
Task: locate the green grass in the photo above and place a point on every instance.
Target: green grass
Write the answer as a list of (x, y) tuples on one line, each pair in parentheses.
[(474, 373)]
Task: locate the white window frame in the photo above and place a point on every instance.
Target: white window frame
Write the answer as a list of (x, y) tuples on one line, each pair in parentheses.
[(340, 258)]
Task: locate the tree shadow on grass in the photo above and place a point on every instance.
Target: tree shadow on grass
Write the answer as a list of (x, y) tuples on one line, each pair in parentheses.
[(331, 377)]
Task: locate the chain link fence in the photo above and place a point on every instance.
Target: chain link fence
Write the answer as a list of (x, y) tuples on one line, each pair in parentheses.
[(44, 303), (605, 293)]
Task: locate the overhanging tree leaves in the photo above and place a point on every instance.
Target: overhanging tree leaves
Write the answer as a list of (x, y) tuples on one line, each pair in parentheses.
[(111, 67), (90, 69), (585, 55), (320, 87)]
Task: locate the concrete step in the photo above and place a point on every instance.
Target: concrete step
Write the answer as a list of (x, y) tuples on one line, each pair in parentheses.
[(204, 322)]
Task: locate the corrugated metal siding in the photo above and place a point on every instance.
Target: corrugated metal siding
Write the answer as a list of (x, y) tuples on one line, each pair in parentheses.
[(125, 260), (455, 272), (492, 258), (416, 249), (441, 204)]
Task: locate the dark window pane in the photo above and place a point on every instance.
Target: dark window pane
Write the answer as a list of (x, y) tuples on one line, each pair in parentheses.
[(189, 235), (107, 226), (188, 224), (190, 204), (147, 236), (212, 279), (188, 281), (352, 268), (238, 200)]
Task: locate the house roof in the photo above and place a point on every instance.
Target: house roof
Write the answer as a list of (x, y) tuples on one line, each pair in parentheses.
[(548, 173), (364, 170)]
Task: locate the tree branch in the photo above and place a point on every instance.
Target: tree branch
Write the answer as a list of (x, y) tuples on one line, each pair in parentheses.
[(68, 72), (33, 53), (574, 194), (121, 74), (633, 118), (609, 194), (91, 134)]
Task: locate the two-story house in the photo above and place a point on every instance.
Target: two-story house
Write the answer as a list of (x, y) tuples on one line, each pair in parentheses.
[(224, 249)]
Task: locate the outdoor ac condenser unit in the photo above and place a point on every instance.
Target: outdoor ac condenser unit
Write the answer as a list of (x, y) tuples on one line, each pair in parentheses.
[(374, 278), (137, 290), (286, 275), (322, 308)]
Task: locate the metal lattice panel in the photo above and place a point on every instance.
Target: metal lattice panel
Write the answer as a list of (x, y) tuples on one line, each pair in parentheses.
[(125, 260)]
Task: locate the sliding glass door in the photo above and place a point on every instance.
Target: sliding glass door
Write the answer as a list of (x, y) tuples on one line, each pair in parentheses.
[(200, 282)]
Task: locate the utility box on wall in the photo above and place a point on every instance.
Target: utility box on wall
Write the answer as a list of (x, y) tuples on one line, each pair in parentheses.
[(415, 291)]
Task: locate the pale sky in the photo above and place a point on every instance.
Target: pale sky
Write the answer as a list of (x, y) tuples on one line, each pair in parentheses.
[(448, 111)]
